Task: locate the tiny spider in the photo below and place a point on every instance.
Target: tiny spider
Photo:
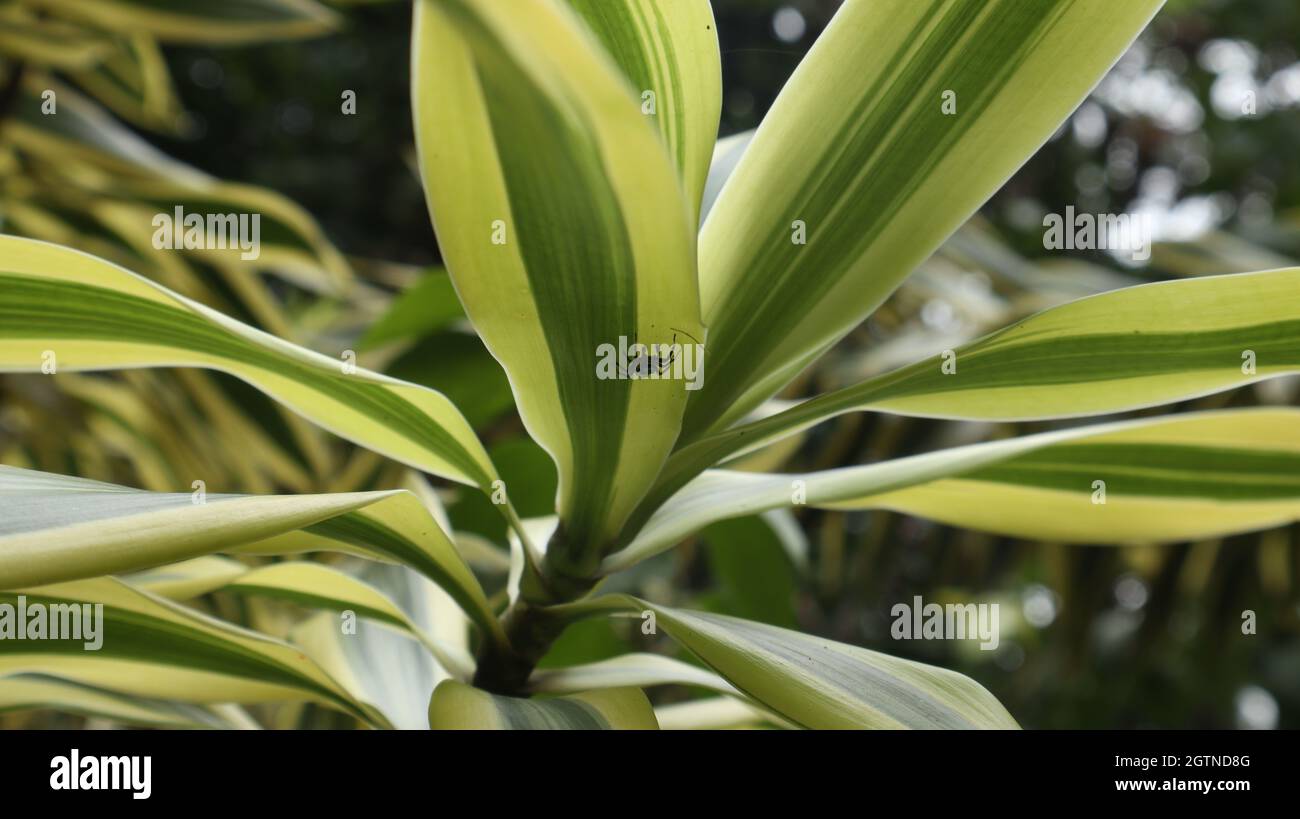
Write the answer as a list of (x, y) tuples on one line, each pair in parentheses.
[(649, 361)]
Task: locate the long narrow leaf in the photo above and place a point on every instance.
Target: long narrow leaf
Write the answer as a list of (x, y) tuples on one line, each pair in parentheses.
[(26, 692), (55, 528), (864, 166), (818, 683), (564, 228), (201, 21), (669, 52), (65, 310), (155, 648), (1123, 350), (1151, 480)]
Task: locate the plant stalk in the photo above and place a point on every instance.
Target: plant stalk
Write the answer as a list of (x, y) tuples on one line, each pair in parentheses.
[(531, 624)]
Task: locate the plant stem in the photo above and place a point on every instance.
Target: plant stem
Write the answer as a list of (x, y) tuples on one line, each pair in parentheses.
[(531, 631), (530, 623)]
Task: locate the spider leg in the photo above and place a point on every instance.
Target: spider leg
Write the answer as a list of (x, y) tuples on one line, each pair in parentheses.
[(667, 363), (683, 332)]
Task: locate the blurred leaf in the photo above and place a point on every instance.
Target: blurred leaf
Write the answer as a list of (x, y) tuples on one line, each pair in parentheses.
[(426, 307), (755, 578)]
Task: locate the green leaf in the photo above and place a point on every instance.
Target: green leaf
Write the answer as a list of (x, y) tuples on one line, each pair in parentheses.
[(55, 528), (753, 576), (726, 156), (527, 134), (859, 151), (92, 315), (638, 670), (426, 307), (382, 667), (1123, 350), (64, 46), (671, 51), (314, 585), (290, 243), (143, 181), (154, 648), (201, 21), (23, 692), (188, 578), (456, 706), (135, 83), (818, 683), (712, 714), (1174, 478), (1182, 478), (82, 130)]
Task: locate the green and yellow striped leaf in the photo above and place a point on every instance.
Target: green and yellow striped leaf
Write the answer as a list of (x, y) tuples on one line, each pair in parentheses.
[(529, 135), (157, 649), (291, 243), (455, 706), (55, 528), (312, 585), (726, 156), (859, 156), (1174, 478), (1188, 478), (817, 683), (122, 182), (627, 670), (65, 46), (669, 53), (200, 21), (1117, 351), (713, 714), (80, 129), (28, 692), (188, 578), (395, 673), (63, 308), (135, 83)]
